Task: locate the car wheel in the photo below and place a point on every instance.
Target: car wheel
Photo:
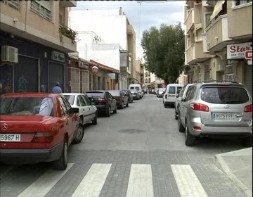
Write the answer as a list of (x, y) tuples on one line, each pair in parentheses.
[(79, 134), (176, 113), (62, 162), (127, 104), (115, 110), (108, 112), (189, 138), (180, 126), (247, 142), (95, 120)]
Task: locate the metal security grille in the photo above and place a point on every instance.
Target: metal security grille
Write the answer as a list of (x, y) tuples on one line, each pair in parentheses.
[(85, 80), (75, 80)]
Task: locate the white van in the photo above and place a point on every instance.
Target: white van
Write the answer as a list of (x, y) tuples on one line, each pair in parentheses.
[(169, 97), (137, 87)]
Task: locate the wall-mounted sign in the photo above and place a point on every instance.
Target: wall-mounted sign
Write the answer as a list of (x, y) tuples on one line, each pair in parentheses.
[(111, 75), (57, 56), (237, 51)]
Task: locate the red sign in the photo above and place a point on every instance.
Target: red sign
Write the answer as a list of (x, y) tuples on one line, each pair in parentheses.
[(248, 55)]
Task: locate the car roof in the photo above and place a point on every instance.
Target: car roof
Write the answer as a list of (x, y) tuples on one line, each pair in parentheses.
[(96, 91), (73, 93)]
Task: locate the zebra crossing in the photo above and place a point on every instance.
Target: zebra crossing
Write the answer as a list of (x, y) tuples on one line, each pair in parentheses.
[(140, 182)]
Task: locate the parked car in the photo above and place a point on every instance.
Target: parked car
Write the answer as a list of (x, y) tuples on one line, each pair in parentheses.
[(216, 109), (121, 98), (137, 87), (179, 97), (104, 101), (136, 95), (160, 92), (170, 94), (129, 95), (37, 127), (87, 111)]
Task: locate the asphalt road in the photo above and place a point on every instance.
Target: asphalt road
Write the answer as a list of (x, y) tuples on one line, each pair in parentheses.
[(137, 152)]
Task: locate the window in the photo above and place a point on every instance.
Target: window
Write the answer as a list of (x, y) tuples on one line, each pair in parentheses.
[(172, 90), (42, 8), (12, 3), (80, 101), (240, 2)]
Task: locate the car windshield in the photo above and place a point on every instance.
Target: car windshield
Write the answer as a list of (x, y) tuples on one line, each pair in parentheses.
[(26, 106), (224, 95)]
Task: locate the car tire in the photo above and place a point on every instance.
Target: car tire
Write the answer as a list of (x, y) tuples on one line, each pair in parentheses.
[(180, 126), (79, 134), (247, 142), (108, 112), (189, 138), (127, 104), (95, 120), (62, 162), (115, 110)]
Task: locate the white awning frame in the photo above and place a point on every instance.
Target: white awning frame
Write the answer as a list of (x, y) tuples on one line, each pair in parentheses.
[(217, 9)]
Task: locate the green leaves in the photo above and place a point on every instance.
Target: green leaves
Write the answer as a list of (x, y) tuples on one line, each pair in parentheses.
[(164, 51)]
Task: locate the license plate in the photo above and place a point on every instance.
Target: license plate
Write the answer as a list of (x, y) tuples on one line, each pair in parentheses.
[(10, 137), (224, 116)]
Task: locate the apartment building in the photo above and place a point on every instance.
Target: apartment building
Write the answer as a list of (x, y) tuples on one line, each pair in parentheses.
[(35, 41), (218, 35), (113, 42)]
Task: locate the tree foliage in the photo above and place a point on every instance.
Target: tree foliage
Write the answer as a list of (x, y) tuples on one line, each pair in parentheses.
[(164, 51)]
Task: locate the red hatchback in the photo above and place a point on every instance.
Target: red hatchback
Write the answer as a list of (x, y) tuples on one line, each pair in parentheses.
[(37, 127)]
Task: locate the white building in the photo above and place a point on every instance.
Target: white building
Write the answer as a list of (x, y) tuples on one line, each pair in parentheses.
[(104, 35)]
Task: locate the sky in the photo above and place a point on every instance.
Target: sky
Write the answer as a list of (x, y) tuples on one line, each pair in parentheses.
[(142, 14)]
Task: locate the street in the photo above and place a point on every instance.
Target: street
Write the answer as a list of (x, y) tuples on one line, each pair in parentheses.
[(136, 152)]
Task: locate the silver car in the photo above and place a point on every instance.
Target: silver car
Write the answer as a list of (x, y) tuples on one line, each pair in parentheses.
[(216, 109), (179, 98), (87, 112)]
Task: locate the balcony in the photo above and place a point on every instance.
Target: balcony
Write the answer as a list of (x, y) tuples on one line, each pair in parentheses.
[(67, 37), (189, 21), (68, 3), (240, 21), (216, 35), (195, 54)]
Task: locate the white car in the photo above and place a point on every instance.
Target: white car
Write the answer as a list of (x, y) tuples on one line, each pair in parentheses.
[(87, 112)]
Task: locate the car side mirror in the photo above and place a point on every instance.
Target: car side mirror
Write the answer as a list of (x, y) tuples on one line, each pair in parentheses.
[(73, 110), (177, 96), (183, 99)]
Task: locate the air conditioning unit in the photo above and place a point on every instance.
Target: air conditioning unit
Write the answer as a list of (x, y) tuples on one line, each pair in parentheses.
[(9, 54)]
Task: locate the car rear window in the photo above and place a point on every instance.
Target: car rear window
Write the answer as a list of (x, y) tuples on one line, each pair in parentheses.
[(224, 95), (115, 93), (95, 94)]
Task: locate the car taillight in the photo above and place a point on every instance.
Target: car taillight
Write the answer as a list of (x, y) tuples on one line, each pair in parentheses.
[(196, 128), (102, 101), (43, 137), (248, 108), (200, 107)]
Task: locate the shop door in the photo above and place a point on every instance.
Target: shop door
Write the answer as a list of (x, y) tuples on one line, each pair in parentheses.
[(55, 74)]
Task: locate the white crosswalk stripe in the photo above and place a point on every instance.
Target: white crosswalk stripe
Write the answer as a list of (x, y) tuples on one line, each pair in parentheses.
[(44, 183), (93, 182), (187, 182), (140, 181)]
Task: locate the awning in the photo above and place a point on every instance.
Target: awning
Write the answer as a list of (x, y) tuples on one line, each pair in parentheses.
[(217, 8)]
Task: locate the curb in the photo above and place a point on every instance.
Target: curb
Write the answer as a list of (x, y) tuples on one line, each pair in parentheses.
[(225, 168)]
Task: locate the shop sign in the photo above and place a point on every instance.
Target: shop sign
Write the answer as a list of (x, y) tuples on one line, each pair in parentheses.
[(57, 56), (248, 55), (111, 75), (237, 51)]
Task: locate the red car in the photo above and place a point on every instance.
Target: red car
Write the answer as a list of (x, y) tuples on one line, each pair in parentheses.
[(37, 127)]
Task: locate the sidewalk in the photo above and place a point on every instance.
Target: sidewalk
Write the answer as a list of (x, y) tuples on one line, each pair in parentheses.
[(238, 166)]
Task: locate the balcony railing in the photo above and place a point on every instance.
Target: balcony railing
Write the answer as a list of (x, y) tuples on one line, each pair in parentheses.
[(66, 31)]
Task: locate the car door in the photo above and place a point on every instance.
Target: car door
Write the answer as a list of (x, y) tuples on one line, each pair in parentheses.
[(111, 100), (83, 108), (90, 109), (66, 118)]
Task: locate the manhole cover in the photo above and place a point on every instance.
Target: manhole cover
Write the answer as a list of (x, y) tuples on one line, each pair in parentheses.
[(131, 131)]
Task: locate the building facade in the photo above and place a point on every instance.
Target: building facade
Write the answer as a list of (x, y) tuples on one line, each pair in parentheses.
[(115, 49), (217, 35), (35, 41)]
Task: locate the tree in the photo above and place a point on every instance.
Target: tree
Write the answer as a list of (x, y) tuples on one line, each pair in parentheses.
[(164, 51)]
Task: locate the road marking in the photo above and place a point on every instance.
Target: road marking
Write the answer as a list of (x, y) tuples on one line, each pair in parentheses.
[(140, 181), (44, 183), (92, 183), (187, 182)]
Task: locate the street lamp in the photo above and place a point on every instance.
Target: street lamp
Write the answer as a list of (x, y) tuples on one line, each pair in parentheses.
[(94, 71)]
